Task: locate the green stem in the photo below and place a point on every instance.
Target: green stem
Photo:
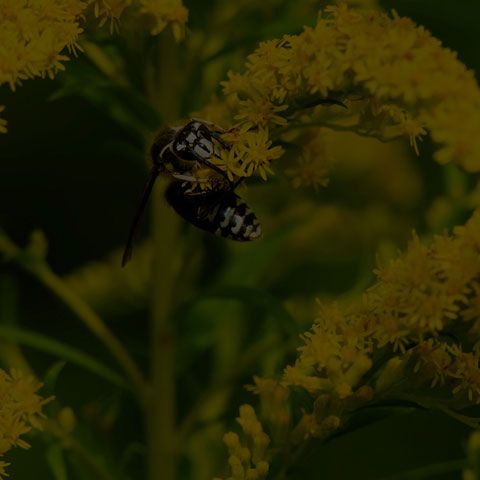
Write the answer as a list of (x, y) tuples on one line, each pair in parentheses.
[(249, 358), (95, 324), (94, 463), (69, 443), (161, 411), (10, 352), (356, 129), (40, 270), (160, 417)]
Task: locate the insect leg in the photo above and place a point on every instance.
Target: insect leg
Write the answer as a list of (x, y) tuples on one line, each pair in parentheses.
[(216, 136), (189, 178), (206, 162), (234, 185)]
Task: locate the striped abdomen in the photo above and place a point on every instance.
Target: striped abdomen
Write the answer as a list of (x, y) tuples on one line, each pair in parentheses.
[(221, 212)]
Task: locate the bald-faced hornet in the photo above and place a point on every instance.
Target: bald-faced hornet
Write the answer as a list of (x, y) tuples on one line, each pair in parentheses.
[(216, 209)]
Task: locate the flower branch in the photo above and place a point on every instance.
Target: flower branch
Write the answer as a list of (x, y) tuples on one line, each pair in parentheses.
[(32, 260)]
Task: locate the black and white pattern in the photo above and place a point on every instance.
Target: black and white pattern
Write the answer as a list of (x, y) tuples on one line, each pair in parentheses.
[(236, 221), (221, 212)]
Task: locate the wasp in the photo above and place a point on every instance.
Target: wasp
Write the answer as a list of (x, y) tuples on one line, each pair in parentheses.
[(217, 209)]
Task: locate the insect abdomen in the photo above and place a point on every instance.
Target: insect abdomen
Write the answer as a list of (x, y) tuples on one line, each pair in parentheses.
[(221, 212), (236, 221)]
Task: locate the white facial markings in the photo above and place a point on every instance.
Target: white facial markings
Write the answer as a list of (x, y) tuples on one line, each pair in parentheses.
[(180, 147), (204, 149), (206, 145), (201, 152), (190, 138)]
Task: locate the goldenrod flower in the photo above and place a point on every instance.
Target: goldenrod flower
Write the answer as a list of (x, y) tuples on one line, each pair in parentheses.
[(35, 33), (433, 360), (162, 13), (401, 81), (260, 112), (248, 462), (236, 84), (20, 410), (2, 468), (472, 469), (251, 151), (465, 369), (32, 35), (258, 153), (273, 405), (165, 12), (308, 172), (414, 299), (110, 10), (3, 122)]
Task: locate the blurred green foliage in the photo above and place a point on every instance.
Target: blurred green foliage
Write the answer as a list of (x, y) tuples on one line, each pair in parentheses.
[(73, 165)]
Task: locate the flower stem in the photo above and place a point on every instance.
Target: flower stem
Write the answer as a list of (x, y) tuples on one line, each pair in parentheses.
[(161, 411), (160, 416), (40, 269)]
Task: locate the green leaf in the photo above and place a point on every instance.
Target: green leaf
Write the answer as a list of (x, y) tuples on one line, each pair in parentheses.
[(59, 349), (371, 414), (246, 267), (216, 317), (51, 377), (259, 298), (430, 471), (56, 462), (126, 106)]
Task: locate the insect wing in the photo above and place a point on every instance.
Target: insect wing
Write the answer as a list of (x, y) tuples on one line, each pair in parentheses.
[(127, 254)]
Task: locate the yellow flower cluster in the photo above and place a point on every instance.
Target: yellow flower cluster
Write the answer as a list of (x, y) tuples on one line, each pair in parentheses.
[(248, 462), (109, 10), (427, 291), (417, 330), (395, 78), (251, 152), (20, 410), (166, 12), (472, 469), (3, 122), (35, 33), (311, 167), (273, 407)]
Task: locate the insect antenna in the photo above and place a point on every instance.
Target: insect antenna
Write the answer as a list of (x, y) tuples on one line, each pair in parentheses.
[(127, 254)]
